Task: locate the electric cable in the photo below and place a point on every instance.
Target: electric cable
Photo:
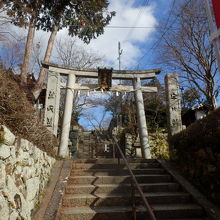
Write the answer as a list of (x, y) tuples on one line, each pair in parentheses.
[(135, 27), (141, 10), (157, 43)]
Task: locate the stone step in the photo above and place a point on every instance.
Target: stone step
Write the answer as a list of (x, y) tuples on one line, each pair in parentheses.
[(113, 166), (115, 172), (121, 188), (119, 179), (123, 199), (162, 212), (83, 156), (84, 133), (114, 160), (86, 142), (186, 219)]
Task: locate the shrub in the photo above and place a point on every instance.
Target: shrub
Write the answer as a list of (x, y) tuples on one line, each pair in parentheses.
[(19, 115), (159, 145), (1, 138), (197, 152)]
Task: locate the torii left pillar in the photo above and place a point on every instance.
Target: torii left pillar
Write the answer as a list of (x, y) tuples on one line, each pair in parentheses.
[(63, 149), (142, 125)]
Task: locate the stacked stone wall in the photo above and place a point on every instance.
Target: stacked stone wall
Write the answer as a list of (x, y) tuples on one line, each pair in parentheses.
[(24, 172)]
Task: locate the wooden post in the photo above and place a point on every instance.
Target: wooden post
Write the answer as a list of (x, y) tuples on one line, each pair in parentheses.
[(142, 125), (63, 149)]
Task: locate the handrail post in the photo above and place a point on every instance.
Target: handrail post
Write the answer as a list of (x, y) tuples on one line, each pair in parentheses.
[(118, 156), (146, 203), (133, 200), (113, 150), (118, 160)]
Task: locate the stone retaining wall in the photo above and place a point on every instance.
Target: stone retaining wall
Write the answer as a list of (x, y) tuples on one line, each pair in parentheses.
[(24, 172)]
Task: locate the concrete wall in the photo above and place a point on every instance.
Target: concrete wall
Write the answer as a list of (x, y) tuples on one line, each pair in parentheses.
[(24, 172)]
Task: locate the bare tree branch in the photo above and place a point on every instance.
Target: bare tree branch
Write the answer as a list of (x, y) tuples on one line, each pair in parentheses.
[(187, 49)]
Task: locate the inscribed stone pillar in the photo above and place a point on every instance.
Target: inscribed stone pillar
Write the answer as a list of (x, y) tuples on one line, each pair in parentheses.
[(173, 104), (52, 102), (63, 149), (142, 125)]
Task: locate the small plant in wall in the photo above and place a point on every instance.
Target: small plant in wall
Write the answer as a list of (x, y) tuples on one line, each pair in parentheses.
[(2, 140)]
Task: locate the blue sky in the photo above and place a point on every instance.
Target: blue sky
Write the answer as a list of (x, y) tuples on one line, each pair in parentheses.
[(136, 42), (136, 26)]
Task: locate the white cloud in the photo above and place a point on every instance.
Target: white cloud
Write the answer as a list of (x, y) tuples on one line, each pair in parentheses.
[(106, 45), (126, 16)]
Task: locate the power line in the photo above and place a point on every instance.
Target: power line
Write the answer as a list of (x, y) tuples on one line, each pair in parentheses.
[(135, 27), (144, 4), (7, 32), (125, 4), (157, 43)]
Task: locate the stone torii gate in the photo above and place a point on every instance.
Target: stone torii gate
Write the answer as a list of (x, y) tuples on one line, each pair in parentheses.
[(53, 98)]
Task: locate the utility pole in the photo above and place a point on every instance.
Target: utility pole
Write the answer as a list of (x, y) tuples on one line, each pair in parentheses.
[(119, 113), (120, 51), (214, 37)]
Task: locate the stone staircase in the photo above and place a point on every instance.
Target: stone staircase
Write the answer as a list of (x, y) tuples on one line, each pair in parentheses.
[(100, 189), (86, 141), (92, 147)]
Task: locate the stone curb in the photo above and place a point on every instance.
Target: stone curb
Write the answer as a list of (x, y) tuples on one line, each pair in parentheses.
[(53, 206), (45, 201)]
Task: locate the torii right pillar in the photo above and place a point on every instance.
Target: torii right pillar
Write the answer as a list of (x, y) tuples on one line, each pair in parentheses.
[(142, 125)]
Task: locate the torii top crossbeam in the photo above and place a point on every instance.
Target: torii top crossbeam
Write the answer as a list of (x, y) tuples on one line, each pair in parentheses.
[(93, 73)]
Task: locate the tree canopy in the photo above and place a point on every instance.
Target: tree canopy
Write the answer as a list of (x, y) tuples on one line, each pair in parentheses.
[(23, 12), (84, 19)]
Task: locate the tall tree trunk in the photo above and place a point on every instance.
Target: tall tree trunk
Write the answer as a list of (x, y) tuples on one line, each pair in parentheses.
[(27, 54), (42, 75)]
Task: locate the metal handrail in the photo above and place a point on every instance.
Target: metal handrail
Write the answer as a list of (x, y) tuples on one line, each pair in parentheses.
[(146, 203)]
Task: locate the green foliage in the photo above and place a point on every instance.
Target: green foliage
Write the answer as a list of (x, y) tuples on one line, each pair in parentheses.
[(190, 98), (75, 115), (155, 107), (23, 13), (155, 117), (1, 138), (85, 19), (196, 150), (159, 145)]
